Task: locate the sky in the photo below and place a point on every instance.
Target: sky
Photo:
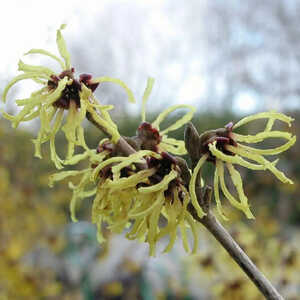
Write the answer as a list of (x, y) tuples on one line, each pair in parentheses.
[(32, 24), (26, 24)]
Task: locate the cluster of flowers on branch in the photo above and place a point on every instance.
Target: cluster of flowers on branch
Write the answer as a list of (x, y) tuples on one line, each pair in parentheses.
[(223, 147), (136, 192), (147, 191)]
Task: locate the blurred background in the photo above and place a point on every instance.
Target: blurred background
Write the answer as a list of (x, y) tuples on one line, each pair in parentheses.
[(228, 59)]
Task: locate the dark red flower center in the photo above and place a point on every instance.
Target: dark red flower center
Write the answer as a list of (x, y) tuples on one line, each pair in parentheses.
[(149, 136), (223, 137), (71, 91), (163, 167)]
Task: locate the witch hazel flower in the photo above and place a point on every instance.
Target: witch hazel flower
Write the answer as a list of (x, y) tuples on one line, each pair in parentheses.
[(150, 135), (140, 199), (225, 148), (61, 92), (134, 200)]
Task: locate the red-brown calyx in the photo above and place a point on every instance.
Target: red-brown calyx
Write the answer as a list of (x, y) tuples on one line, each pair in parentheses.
[(223, 137), (163, 167), (71, 91), (148, 136)]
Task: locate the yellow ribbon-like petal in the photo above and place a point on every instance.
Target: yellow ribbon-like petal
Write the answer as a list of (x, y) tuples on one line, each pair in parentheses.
[(179, 123), (117, 81), (62, 47), (192, 186), (147, 92), (264, 115)]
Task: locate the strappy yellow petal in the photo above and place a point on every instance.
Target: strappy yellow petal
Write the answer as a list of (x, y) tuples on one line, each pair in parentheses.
[(238, 183), (217, 195), (262, 136), (272, 151), (116, 81), (18, 78), (264, 115), (172, 145), (232, 200), (34, 69), (179, 123), (192, 186), (159, 186), (146, 95), (63, 175), (233, 159), (264, 162), (47, 53), (62, 47)]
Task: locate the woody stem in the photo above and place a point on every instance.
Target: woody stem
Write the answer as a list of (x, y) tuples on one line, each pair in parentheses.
[(125, 148), (240, 257), (211, 223)]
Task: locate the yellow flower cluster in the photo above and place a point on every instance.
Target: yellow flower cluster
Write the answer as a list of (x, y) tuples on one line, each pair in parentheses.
[(223, 147), (136, 193), (60, 92), (134, 200), (141, 196)]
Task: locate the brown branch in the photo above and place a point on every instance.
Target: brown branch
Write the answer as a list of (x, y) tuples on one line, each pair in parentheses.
[(240, 257), (211, 223), (125, 148), (122, 145)]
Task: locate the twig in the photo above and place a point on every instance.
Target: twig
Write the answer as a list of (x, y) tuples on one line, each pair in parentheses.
[(125, 148), (240, 257), (234, 250)]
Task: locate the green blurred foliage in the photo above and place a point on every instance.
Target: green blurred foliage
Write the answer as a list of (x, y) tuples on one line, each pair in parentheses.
[(35, 217)]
